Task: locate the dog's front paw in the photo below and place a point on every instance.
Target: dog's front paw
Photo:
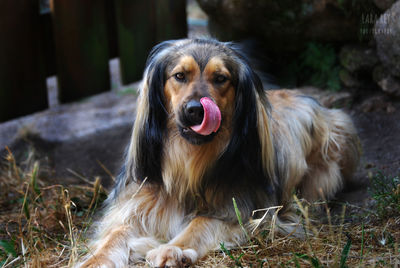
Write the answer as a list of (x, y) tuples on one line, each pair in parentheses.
[(171, 256)]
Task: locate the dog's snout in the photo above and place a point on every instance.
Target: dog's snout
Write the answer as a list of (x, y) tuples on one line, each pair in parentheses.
[(194, 112)]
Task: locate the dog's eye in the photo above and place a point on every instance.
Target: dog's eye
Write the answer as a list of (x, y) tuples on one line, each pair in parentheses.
[(180, 77), (220, 79)]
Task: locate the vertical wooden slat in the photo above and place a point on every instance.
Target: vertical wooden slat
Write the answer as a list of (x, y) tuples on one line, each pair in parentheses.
[(112, 29), (22, 80), (171, 19), (80, 34), (47, 43), (136, 36)]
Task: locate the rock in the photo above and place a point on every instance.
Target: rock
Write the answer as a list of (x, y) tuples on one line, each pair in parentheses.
[(384, 4), (390, 109), (358, 62), (387, 36), (379, 72), (80, 137), (357, 58), (390, 85), (348, 79), (286, 25), (377, 103)]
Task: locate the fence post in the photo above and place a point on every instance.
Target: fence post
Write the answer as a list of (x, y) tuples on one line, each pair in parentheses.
[(80, 32), (22, 76), (136, 36)]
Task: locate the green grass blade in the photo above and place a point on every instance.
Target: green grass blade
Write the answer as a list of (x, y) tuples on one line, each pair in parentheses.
[(296, 261), (229, 254), (239, 217), (26, 208), (34, 179), (345, 252), (8, 247)]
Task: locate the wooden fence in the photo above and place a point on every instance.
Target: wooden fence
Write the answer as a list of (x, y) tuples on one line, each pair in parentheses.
[(74, 39)]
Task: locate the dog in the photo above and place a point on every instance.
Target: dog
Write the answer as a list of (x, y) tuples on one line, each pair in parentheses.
[(206, 132)]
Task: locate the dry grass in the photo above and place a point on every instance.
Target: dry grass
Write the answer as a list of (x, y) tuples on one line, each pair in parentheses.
[(43, 225)]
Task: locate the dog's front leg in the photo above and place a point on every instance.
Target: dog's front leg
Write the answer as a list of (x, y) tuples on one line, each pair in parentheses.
[(110, 250), (200, 236), (115, 249)]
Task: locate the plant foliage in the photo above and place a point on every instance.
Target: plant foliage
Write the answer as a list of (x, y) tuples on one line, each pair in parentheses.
[(319, 65)]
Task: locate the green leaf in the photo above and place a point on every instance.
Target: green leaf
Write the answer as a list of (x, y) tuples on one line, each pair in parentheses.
[(8, 247), (319, 66)]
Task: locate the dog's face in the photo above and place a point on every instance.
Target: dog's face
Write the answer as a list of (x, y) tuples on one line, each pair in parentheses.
[(188, 81)]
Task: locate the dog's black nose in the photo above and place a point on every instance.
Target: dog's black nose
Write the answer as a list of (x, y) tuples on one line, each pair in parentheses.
[(194, 112)]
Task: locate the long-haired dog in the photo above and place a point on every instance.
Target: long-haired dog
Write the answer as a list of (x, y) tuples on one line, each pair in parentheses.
[(206, 132)]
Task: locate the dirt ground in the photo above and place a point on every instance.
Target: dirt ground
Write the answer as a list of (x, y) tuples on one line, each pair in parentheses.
[(379, 132), (377, 119)]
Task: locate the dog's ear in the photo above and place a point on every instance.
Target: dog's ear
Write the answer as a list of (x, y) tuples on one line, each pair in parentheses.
[(152, 118), (244, 147), (250, 91)]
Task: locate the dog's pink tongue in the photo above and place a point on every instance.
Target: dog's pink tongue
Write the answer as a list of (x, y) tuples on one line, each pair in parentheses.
[(211, 120)]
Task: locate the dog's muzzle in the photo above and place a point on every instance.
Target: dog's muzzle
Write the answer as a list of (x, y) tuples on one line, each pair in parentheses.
[(200, 120)]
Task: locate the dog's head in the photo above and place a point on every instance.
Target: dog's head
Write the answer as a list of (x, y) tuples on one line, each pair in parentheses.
[(203, 90), (182, 73), (199, 92)]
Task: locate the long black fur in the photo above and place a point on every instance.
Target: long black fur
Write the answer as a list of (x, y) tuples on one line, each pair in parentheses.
[(148, 165)]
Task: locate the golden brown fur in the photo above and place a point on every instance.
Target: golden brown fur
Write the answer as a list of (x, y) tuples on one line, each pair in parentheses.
[(173, 201)]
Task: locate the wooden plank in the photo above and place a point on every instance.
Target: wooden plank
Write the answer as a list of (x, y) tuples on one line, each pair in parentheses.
[(22, 79), (82, 54), (47, 43), (136, 36), (171, 19), (112, 29)]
